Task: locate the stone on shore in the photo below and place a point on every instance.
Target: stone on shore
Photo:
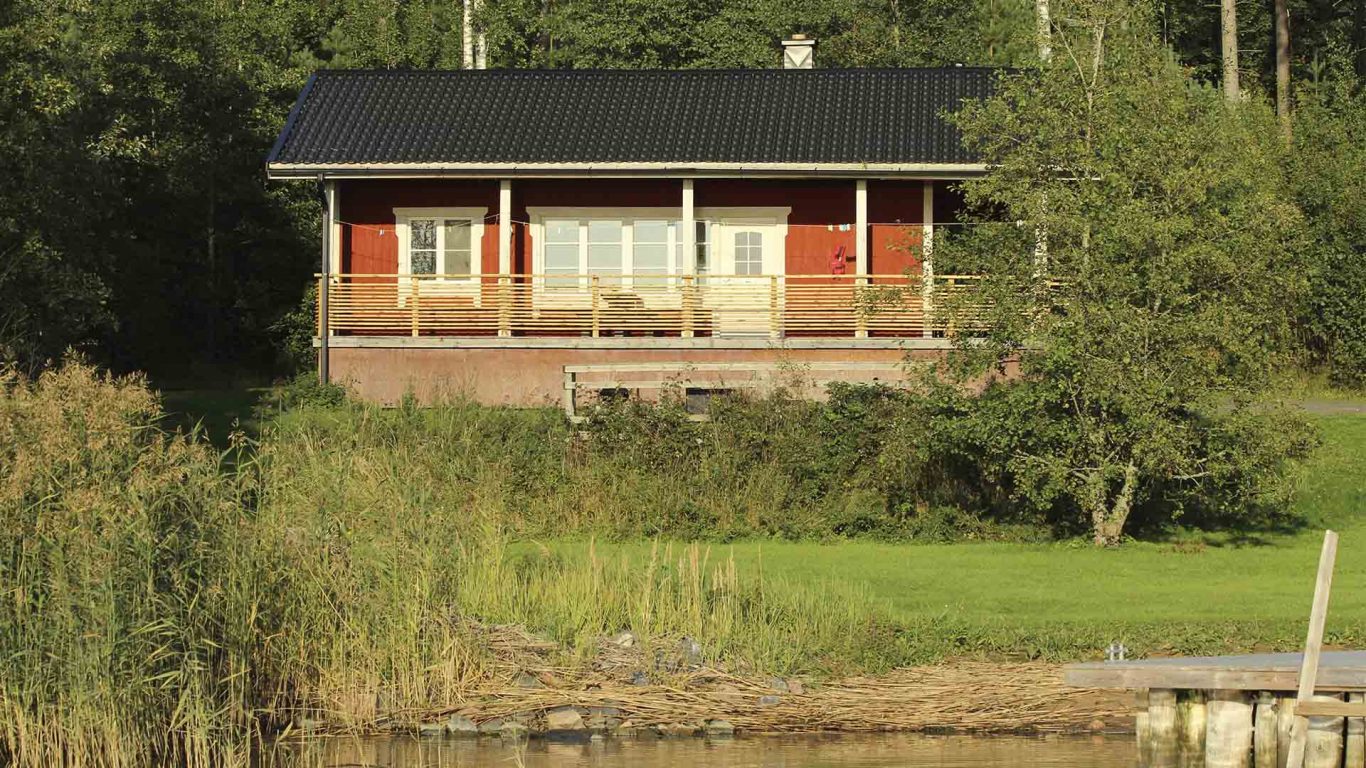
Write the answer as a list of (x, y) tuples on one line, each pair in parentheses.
[(431, 729), (677, 729), (720, 728), (603, 718), (690, 652), (528, 680), (459, 725), (769, 701), (564, 719), (513, 730)]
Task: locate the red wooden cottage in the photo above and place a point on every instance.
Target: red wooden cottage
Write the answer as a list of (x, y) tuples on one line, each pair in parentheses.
[(521, 235)]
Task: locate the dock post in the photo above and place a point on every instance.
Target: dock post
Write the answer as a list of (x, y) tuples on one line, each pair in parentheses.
[(1354, 756), (1323, 747), (1228, 739), (1191, 724), (1285, 721), (1162, 728), (1265, 731), (1141, 720)]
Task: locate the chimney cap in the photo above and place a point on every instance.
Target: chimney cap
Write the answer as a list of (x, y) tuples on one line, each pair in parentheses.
[(797, 52)]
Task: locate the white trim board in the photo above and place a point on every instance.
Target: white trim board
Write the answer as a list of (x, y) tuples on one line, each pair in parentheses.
[(667, 169)]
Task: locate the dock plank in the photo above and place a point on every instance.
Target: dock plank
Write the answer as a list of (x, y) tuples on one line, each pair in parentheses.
[(1338, 671)]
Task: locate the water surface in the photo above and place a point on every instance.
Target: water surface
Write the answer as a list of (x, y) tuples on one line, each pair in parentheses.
[(880, 751)]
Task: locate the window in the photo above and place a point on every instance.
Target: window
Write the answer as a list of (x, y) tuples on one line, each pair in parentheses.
[(638, 247), (440, 241), (561, 250), (702, 241), (749, 253), (604, 249)]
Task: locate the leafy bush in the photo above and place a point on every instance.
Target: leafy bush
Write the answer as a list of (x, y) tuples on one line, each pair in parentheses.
[(1328, 173)]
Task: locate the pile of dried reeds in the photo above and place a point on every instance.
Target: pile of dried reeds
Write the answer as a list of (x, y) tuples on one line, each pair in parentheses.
[(961, 695)]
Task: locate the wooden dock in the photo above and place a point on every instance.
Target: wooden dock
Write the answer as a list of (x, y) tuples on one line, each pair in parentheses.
[(1343, 671), (1263, 710)]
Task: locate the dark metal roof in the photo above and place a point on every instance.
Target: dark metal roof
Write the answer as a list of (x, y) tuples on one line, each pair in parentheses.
[(500, 116)]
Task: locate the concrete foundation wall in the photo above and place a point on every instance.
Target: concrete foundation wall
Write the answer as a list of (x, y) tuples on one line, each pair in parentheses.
[(535, 376)]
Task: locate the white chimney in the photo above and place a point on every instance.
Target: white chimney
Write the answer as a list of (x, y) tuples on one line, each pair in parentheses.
[(799, 52)]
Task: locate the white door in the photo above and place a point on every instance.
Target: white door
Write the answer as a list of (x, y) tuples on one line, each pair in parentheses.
[(743, 293)]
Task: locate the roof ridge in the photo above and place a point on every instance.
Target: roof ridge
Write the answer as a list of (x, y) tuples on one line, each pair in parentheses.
[(652, 70)]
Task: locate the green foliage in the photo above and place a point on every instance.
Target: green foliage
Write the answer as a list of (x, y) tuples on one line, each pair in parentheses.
[(1328, 169), (1175, 258), (160, 605)]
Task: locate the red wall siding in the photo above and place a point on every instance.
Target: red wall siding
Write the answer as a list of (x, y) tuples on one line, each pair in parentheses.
[(892, 247), (369, 243), (821, 221), (822, 216)]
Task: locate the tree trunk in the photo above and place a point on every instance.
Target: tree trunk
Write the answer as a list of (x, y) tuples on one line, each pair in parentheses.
[(1283, 66), (1108, 519), (1044, 29), (1228, 25), (467, 37), (1359, 36)]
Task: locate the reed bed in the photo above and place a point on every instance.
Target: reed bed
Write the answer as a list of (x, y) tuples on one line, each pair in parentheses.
[(964, 696), (160, 602)]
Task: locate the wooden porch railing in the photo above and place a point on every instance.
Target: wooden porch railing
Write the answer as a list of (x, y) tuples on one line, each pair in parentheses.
[(599, 306)]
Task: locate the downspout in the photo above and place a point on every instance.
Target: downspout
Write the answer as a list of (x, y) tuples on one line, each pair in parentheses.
[(324, 367)]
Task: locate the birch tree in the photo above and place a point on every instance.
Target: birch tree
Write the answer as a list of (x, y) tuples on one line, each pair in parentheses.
[(1141, 376)]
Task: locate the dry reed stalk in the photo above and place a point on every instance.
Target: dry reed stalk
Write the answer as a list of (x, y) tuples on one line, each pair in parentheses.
[(964, 695)]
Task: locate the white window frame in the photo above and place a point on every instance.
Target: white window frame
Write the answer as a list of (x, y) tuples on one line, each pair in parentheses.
[(475, 216), (773, 218)]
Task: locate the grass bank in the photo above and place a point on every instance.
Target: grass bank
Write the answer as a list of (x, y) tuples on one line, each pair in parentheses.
[(162, 600)]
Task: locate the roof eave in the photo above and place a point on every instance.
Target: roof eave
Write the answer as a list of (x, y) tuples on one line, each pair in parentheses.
[(276, 170)]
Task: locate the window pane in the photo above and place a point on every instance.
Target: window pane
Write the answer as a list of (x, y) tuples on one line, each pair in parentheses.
[(423, 234), (604, 257), (561, 231), (651, 257), (457, 234), (749, 253), (562, 258), (457, 262), (650, 232), (422, 262), (604, 231), (703, 246), (604, 247)]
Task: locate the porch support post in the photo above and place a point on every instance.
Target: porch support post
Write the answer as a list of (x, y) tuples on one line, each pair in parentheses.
[(688, 237), (927, 256), (861, 227), (860, 247), (687, 265), (331, 248), (505, 227)]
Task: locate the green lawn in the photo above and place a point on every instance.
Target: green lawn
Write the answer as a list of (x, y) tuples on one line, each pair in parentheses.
[(1198, 594), (1067, 600)]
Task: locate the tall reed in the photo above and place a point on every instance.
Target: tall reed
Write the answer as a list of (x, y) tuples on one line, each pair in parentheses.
[(160, 602)]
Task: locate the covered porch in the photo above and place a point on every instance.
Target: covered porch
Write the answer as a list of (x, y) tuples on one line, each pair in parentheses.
[(774, 307)]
